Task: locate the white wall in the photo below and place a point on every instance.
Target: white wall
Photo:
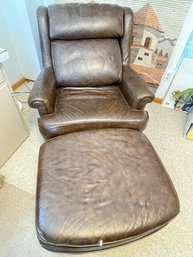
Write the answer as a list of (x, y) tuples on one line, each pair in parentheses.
[(12, 65), (19, 28), (31, 7), (177, 52)]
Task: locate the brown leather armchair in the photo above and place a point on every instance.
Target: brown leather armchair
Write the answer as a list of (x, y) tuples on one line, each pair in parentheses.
[(87, 81)]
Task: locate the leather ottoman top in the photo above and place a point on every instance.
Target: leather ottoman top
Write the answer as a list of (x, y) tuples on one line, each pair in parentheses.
[(100, 188)]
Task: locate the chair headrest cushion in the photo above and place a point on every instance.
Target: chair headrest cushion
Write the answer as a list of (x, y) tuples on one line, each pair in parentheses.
[(80, 21)]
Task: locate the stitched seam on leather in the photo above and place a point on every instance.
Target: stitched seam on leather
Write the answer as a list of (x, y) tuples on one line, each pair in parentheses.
[(129, 239), (144, 99)]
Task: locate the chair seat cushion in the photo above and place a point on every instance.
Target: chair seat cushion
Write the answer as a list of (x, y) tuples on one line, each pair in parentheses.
[(87, 108), (101, 188)]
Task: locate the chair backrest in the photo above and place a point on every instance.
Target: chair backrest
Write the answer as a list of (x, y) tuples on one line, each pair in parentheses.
[(87, 44)]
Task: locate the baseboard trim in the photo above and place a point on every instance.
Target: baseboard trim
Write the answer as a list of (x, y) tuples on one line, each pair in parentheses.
[(18, 83), (158, 100)]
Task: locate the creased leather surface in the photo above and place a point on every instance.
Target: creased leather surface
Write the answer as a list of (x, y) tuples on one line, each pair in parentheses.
[(88, 108), (99, 57), (43, 94), (134, 89), (89, 62), (91, 20), (98, 185)]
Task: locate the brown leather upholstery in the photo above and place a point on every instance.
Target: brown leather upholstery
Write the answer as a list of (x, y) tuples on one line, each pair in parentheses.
[(87, 62), (133, 87), (80, 21), (43, 96), (106, 188), (87, 45), (101, 184), (80, 108)]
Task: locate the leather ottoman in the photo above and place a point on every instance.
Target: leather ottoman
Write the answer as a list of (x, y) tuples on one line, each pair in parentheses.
[(101, 188)]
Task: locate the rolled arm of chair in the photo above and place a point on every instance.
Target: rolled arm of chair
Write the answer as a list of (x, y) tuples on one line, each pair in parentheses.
[(43, 94), (135, 90)]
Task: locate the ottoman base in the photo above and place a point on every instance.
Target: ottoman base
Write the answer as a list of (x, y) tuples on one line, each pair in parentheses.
[(101, 188), (88, 248)]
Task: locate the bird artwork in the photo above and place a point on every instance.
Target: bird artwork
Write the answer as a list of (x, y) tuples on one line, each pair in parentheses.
[(183, 99)]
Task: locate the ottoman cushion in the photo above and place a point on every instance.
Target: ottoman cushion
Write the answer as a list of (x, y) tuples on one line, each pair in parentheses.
[(101, 188)]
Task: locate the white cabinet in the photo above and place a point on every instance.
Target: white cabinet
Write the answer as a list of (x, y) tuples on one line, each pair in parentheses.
[(13, 130)]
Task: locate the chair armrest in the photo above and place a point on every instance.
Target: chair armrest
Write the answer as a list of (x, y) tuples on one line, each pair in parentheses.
[(135, 90), (43, 94)]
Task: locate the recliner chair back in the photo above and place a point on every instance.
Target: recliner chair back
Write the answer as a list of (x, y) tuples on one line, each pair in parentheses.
[(87, 44)]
